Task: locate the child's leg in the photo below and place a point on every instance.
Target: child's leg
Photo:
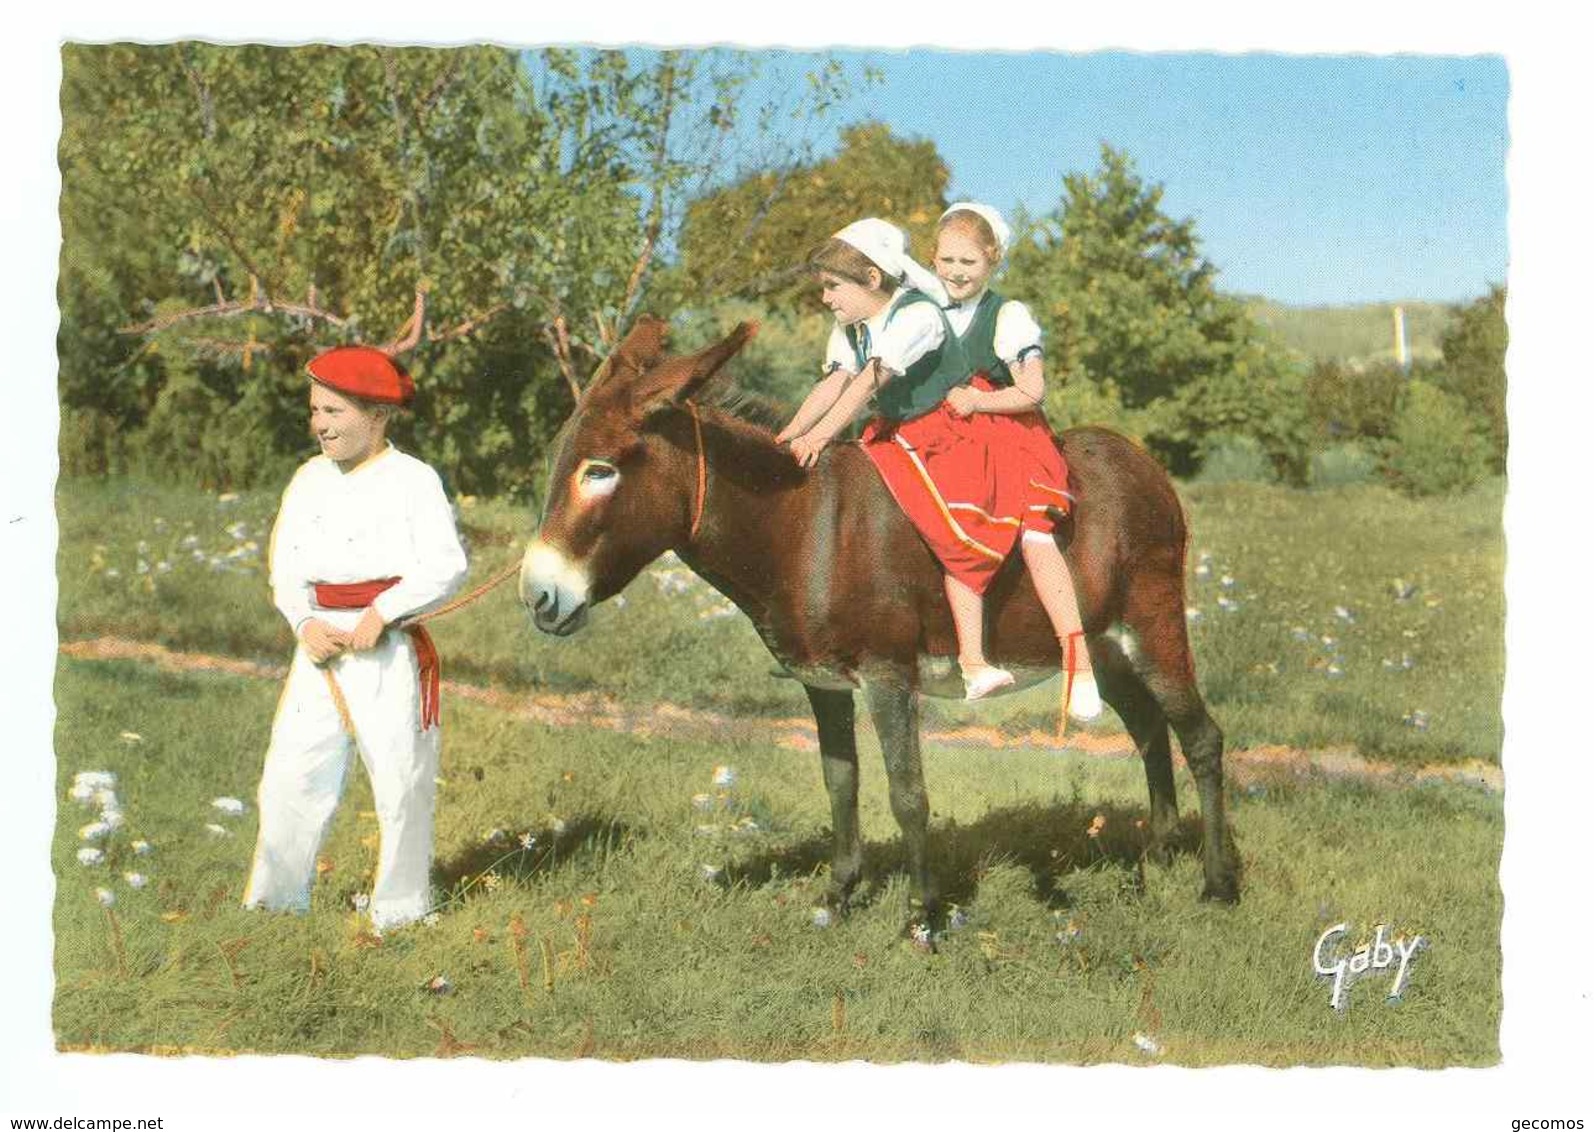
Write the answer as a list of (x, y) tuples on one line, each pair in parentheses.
[(968, 617), (299, 789), (1054, 583)]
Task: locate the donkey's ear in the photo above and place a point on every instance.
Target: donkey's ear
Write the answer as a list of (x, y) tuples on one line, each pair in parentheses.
[(642, 348), (680, 378)]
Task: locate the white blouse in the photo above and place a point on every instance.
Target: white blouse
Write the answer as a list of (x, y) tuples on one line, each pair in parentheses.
[(1017, 332), (387, 518), (913, 333)]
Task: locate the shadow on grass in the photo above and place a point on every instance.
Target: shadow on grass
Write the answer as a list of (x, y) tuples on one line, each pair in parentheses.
[(1051, 841), (586, 836)]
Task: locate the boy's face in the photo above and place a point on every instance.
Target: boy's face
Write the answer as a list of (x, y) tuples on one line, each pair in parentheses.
[(348, 433), (962, 264), (850, 302)]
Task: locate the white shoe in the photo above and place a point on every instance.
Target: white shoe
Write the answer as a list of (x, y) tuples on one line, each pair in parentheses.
[(984, 681), (1084, 700)]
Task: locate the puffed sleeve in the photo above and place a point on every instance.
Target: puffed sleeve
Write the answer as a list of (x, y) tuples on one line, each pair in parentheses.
[(439, 565), (913, 331), (838, 353), (1017, 332), (289, 548)]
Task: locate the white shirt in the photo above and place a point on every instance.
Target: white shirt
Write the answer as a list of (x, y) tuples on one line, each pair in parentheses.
[(1016, 329), (387, 518), (914, 332)]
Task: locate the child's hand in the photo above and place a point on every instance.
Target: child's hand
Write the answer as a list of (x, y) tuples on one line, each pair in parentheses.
[(368, 631), (785, 435), (963, 400), (322, 641), (806, 448)]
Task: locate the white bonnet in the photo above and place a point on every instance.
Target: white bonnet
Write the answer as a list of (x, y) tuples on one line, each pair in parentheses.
[(988, 214)]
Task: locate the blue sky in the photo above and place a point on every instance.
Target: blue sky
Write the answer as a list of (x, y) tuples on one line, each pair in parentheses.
[(1311, 179)]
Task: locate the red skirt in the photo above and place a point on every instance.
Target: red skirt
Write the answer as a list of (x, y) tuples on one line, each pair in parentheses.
[(971, 486)]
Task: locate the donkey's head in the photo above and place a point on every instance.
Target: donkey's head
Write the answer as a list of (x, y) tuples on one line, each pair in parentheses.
[(624, 477)]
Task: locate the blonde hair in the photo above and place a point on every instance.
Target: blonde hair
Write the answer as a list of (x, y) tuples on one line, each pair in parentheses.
[(840, 258), (971, 224)]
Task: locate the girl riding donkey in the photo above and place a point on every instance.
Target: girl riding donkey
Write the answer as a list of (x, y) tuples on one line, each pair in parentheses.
[(894, 343)]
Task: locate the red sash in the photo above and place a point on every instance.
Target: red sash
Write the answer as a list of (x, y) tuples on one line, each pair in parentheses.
[(358, 595)]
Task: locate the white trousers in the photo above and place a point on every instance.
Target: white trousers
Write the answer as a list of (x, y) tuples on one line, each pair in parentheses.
[(308, 761)]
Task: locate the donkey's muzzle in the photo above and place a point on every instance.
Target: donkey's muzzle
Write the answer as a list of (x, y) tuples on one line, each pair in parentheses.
[(554, 593)]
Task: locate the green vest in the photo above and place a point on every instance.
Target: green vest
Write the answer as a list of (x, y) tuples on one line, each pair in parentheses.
[(979, 342), (928, 380)]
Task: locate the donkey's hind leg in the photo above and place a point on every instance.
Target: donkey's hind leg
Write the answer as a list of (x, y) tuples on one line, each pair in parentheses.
[(895, 709), (1122, 687), (1163, 646), (838, 759)]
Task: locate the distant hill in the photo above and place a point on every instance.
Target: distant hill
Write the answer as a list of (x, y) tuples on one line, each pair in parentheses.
[(1363, 333)]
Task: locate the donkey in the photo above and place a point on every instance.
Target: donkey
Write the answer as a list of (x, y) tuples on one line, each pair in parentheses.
[(845, 594)]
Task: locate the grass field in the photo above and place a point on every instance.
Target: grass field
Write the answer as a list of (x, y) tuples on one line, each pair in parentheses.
[(601, 896), (654, 914), (1354, 617)]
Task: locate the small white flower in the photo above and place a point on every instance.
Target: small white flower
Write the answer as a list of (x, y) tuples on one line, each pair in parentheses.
[(89, 856), (527, 841), (1228, 605), (93, 831), (82, 793), (97, 779), (112, 818), (706, 831), (361, 901), (1227, 581), (105, 799), (218, 831), (1344, 614), (232, 807), (1146, 1044), (1328, 641), (1334, 670), (724, 776), (702, 801), (126, 737), (619, 601), (142, 847), (557, 825), (163, 567), (822, 918), (142, 567), (189, 542), (1300, 633), (710, 873), (113, 572), (431, 919), (105, 896), (227, 497), (1203, 571), (921, 934), (493, 835), (1193, 615), (135, 880)]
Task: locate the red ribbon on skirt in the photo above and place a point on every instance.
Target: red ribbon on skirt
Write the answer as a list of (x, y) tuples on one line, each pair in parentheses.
[(358, 595)]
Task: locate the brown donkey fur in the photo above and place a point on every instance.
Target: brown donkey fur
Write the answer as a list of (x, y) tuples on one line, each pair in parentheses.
[(846, 595)]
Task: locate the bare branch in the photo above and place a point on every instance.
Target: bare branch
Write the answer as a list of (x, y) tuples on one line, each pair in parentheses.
[(409, 335), (661, 157), (559, 342), (258, 302), (469, 326)]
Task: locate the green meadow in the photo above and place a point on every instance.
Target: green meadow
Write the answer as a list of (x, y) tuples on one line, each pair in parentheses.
[(600, 895)]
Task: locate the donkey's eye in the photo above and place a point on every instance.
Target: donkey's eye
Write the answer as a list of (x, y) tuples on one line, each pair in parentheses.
[(596, 478)]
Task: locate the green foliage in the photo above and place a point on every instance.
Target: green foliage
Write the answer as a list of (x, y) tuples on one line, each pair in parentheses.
[(1126, 297), (1474, 366), (1235, 459), (1437, 446), (751, 238), (1342, 465), (1345, 400), (228, 211), (780, 363)]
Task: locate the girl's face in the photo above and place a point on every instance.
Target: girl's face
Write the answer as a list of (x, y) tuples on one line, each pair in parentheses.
[(962, 265), (348, 432), (850, 302)]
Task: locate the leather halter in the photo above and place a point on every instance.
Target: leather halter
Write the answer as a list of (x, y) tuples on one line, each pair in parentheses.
[(702, 474)]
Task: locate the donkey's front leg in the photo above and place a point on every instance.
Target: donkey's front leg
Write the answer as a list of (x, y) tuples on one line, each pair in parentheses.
[(838, 757), (895, 709)]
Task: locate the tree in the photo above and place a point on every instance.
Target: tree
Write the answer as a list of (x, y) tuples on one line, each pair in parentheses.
[(1474, 349), (1130, 306), (749, 239), (243, 207)]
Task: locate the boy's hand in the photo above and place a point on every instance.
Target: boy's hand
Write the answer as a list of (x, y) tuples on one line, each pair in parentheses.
[(322, 641), (368, 631)]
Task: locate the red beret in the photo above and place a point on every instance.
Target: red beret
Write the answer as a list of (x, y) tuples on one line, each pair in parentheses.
[(364, 372)]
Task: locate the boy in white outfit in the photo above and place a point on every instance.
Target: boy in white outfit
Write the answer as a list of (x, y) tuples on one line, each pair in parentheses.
[(365, 537)]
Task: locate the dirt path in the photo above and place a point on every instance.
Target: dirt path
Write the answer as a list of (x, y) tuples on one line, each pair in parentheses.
[(593, 710)]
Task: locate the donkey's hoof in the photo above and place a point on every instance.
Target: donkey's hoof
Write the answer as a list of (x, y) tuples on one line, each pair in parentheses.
[(1225, 890)]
